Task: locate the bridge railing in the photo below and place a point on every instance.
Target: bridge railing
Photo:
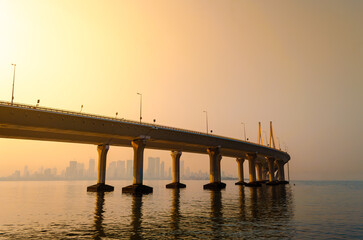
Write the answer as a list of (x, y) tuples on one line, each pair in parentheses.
[(73, 113)]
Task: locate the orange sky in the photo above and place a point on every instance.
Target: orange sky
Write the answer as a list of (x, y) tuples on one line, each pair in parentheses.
[(297, 63)]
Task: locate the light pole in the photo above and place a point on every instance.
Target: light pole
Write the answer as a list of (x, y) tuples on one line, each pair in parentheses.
[(12, 95), (244, 129), (140, 106), (206, 119)]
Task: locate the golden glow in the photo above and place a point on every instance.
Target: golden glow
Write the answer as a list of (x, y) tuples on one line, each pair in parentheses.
[(295, 63)]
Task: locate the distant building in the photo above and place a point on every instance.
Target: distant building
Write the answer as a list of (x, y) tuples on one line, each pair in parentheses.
[(80, 170), (120, 172), (111, 171), (26, 173), (157, 167), (71, 171), (162, 170), (15, 175), (91, 168), (151, 171), (182, 168), (129, 169), (187, 172), (47, 172)]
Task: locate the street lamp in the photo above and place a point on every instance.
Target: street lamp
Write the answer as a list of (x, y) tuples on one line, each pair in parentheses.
[(244, 130), (206, 119), (12, 95), (140, 105)]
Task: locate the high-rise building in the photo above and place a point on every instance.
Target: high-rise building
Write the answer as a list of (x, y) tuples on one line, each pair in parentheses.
[(47, 172), (91, 168), (112, 170), (120, 169), (157, 167), (71, 171), (129, 169), (26, 172), (151, 171), (182, 168), (162, 170), (80, 170), (54, 171)]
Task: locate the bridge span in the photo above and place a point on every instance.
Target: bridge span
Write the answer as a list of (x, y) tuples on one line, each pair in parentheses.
[(20, 121)]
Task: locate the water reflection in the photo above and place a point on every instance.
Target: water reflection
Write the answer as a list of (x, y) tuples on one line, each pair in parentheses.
[(242, 203), (254, 202), (98, 218), (175, 213), (216, 213), (136, 217), (264, 212)]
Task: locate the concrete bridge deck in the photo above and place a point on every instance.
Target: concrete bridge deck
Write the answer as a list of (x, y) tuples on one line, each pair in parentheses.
[(20, 121)]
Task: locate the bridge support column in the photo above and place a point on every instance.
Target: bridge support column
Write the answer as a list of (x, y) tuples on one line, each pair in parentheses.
[(215, 169), (281, 172), (176, 171), (264, 172), (137, 187), (259, 170), (101, 176), (251, 157), (241, 180), (271, 170)]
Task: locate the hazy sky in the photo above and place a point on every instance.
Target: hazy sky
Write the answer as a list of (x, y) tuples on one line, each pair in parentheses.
[(296, 63)]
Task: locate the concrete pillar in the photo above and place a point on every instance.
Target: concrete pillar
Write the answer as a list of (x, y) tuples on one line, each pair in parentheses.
[(101, 175), (251, 157), (213, 164), (215, 169), (259, 171), (219, 168), (176, 171), (102, 154), (252, 166), (280, 167), (271, 170), (176, 165), (137, 187), (241, 180), (264, 172), (138, 170)]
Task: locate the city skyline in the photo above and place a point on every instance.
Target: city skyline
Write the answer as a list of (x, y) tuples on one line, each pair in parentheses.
[(116, 170)]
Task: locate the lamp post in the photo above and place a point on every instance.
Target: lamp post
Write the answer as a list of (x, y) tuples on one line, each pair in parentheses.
[(206, 119), (12, 95), (140, 106), (244, 130)]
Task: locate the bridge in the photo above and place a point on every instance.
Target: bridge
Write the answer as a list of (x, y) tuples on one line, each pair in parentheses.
[(20, 121)]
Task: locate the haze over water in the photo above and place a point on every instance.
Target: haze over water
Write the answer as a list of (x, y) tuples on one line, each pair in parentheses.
[(64, 210)]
